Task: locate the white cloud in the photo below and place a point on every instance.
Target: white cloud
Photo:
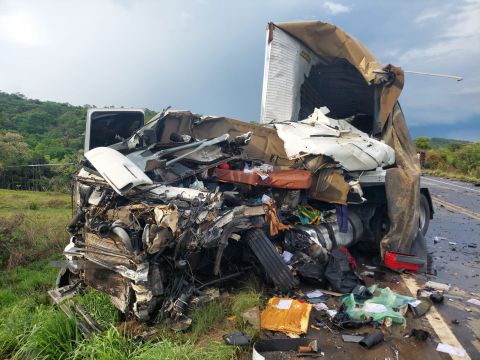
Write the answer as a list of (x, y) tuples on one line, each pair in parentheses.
[(458, 36), (335, 8), (21, 29), (426, 17)]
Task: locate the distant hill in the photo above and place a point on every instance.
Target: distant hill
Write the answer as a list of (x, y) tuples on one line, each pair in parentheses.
[(444, 143), (51, 129), (40, 132)]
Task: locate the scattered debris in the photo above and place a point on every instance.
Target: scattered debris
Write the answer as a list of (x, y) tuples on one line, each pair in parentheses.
[(285, 345), (372, 339), (420, 307), (437, 286), (237, 339), (384, 304), (286, 315), (474, 302), (449, 349), (352, 338), (437, 239), (368, 273), (436, 297), (398, 261), (420, 334)]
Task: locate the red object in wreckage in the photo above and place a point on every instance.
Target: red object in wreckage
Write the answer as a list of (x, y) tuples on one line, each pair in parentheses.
[(399, 261), (224, 166)]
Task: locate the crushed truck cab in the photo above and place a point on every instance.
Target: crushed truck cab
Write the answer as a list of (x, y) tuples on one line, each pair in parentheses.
[(168, 208)]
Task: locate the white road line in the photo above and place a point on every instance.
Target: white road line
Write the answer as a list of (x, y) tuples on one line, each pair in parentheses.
[(436, 321), (450, 184)]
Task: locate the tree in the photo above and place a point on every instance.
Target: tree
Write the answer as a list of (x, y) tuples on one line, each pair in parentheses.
[(423, 143), (13, 149)]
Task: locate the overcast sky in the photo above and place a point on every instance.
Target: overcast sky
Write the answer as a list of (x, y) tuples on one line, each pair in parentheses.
[(207, 56)]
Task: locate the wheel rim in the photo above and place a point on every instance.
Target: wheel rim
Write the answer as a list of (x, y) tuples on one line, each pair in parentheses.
[(421, 219)]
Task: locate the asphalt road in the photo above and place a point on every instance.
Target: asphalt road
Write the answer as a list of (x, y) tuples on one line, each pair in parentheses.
[(453, 239), (454, 233)]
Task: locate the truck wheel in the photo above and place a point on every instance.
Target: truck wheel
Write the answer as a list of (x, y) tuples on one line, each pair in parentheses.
[(380, 223), (424, 218)]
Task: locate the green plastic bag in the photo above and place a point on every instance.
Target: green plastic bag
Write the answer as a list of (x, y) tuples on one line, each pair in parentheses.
[(385, 304)]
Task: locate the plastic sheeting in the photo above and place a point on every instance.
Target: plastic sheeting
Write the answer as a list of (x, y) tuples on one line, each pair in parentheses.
[(385, 304), (402, 186)]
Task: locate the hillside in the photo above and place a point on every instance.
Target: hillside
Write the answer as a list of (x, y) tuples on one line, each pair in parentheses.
[(39, 132), (444, 143)]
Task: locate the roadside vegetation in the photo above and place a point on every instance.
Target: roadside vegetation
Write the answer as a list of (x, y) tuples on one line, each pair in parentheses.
[(42, 133), (32, 237), (450, 158)]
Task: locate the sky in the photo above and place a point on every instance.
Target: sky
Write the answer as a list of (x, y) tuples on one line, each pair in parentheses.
[(207, 56)]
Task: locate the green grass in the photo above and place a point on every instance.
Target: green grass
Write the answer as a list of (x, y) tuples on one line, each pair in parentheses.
[(32, 225), (52, 335), (451, 175), (170, 350), (112, 344), (206, 317), (100, 308), (22, 200)]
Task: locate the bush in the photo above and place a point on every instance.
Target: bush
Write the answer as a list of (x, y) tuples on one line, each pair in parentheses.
[(32, 205)]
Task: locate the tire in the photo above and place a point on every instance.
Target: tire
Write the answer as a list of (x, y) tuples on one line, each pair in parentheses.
[(268, 256), (424, 217), (380, 224)]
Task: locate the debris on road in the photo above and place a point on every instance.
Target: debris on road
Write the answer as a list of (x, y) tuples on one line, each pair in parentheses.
[(286, 315), (474, 302), (352, 338), (372, 339), (437, 286), (449, 349), (420, 334), (285, 345)]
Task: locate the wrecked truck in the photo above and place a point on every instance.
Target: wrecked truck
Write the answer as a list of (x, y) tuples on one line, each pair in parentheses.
[(169, 208)]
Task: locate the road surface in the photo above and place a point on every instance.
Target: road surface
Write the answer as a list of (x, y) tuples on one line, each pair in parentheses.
[(453, 239), (454, 234)]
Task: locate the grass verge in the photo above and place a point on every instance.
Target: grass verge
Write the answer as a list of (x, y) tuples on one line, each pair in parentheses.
[(450, 175), (32, 226)]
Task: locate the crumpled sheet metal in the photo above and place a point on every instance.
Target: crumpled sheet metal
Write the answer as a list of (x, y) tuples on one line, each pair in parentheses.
[(329, 42), (353, 149), (284, 179), (265, 145), (286, 315), (330, 186), (120, 172)]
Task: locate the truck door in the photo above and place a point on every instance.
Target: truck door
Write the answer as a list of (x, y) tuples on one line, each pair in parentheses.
[(106, 127)]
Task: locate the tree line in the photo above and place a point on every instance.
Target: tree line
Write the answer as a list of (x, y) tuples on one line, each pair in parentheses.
[(43, 133), (451, 156)]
